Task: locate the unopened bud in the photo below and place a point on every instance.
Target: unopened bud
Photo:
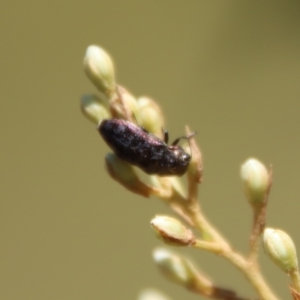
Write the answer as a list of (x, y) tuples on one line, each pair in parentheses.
[(255, 179), (172, 232), (195, 169), (173, 266), (152, 294), (125, 174), (99, 68), (94, 108), (150, 116), (281, 249), (180, 270)]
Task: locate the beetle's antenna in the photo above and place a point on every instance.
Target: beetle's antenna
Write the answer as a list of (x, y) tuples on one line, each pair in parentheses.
[(189, 137), (186, 137)]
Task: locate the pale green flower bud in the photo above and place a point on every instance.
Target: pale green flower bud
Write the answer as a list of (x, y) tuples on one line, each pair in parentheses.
[(195, 169), (99, 68), (94, 108), (180, 270), (172, 232), (150, 116), (173, 266), (256, 181), (281, 249), (124, 173), (152, 294)]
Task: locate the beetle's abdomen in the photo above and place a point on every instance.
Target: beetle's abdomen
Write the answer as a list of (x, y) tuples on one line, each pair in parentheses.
[(131, 143), (140, 148)]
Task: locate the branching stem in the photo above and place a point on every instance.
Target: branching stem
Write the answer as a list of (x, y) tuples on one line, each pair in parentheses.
[(215, 243)]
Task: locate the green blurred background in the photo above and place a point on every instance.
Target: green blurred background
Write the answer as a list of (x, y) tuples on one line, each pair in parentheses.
[(228, 69)]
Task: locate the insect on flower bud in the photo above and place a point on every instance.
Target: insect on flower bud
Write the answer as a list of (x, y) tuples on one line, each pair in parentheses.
[(173, 266), (144, 150), (94, 108), (99, 68), (172, 232), (255, 179), (281, 249), (150, 116), (125, 174)]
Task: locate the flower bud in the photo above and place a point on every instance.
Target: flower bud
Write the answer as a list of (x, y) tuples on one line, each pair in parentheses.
[(150, 116), (94, 108), (173, 266), (172, 232), (180, 270), (152, 294), (195, 169), (125, 174), (255, 179), (280, 248), (99, 68)]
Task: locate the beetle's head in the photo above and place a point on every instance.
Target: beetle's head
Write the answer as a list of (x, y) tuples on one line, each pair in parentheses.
[(181, 160)]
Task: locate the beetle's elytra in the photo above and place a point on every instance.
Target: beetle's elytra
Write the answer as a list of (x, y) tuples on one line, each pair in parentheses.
[(144, 150)]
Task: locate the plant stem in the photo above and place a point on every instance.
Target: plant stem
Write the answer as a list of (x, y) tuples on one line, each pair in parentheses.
[(295, 278), (208, 232), (252, 273), (215, 243)]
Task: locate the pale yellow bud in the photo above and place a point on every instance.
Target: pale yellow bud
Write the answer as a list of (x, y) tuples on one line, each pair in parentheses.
[(172, 232), (173, 266), (256, 180), (94, 108), (152, 294), (150, 116), (99, 68), (180, 270), (124, 173), (195, 169), (281, 249)]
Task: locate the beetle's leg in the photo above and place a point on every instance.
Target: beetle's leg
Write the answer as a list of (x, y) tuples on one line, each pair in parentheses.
[(165, 135), (183, 137)]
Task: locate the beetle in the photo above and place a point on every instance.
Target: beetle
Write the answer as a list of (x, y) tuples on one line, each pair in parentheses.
[(140, 148)]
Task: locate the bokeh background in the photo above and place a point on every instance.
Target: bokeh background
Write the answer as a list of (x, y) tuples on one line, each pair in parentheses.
[(228, 69)]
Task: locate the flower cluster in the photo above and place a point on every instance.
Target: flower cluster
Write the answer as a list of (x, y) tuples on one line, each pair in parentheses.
[(193, 230)]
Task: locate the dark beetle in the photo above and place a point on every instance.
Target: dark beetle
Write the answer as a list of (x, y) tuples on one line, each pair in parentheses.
[(145, 150)]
